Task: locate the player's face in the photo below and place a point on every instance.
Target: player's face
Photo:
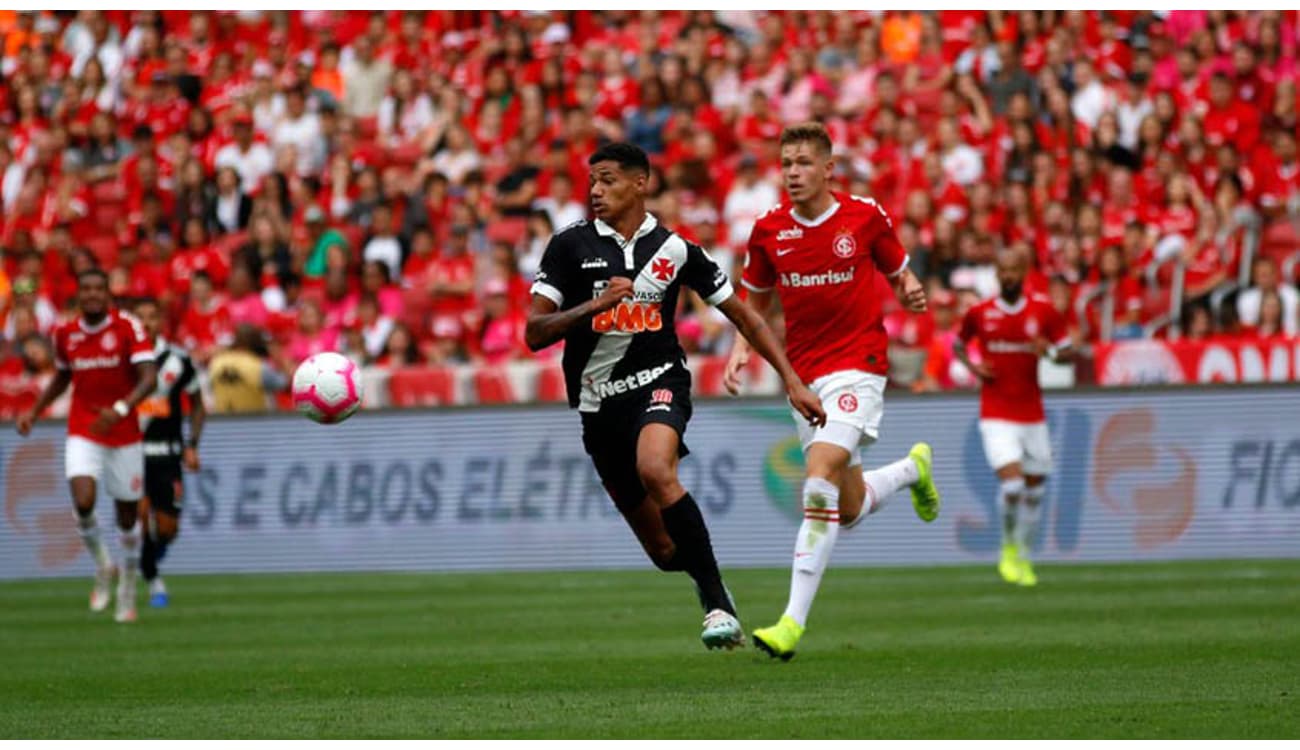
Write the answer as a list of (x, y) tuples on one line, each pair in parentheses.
[(1011, 275), (150, 319), (92, 296), (805, 171), (614, 190)]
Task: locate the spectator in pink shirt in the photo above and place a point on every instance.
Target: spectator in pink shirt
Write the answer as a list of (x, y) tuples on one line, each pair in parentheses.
[(311, 336), (243, 300)]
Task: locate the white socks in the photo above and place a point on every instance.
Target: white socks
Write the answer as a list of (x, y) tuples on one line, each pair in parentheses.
[(1027, 522), (1010, 494), (812, 548), (882, 483), (129, 544), (89, 530)]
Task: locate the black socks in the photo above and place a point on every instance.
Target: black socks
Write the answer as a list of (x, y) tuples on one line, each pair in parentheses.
[(694, 553)]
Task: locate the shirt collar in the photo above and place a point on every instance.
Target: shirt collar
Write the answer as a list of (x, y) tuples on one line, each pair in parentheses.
[(647, 226), (1011, 309), (828, 213), (101, 325)]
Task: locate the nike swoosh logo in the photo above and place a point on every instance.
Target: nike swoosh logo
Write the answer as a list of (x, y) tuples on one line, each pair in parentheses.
[(785, 251)]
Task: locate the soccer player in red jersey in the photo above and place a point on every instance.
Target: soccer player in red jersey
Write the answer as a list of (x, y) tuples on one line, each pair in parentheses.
[(821, 252), (108, 360), (1013, 330)]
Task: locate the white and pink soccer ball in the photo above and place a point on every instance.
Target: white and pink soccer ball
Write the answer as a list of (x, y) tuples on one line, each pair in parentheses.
[(327, 387)]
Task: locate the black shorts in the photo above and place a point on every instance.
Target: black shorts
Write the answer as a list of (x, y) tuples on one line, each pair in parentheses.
[(610, 436), (163, 485)]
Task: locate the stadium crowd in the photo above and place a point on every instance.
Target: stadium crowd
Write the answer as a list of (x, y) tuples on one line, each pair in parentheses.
[(384, 183)]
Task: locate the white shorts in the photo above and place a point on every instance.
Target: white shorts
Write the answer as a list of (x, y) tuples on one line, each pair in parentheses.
[(854, 402), (1025, 443), (119, 469)]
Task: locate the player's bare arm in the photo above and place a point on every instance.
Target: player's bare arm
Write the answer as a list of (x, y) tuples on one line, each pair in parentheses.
[(981, 370), (760, 303), (547, 324), (910, 291), (758, 333), (198, 417), (62, 379), (146, 374)]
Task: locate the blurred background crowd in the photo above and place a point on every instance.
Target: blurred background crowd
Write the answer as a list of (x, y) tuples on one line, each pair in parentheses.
[(383, 183)]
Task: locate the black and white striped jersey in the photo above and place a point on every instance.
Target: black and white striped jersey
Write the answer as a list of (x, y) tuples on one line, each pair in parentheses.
[(625, 349), (162, 412)]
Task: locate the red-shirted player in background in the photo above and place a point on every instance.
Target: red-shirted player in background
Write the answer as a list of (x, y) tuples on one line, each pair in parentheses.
[(1013, 330), (821, 253), (107, 358)]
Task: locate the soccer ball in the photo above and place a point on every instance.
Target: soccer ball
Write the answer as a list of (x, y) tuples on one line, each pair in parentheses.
[(327, 387)]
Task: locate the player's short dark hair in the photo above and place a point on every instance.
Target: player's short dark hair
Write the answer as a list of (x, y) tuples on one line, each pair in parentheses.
[(140, 302), (808, 132), (95, 272), (628, 156)]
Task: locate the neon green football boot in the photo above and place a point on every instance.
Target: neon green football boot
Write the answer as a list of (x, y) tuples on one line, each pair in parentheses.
[(1010, 565), (925, 496), (780, 639), (1027, 575)]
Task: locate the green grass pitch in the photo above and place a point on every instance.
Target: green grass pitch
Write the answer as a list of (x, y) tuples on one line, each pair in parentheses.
[(1206, 649)]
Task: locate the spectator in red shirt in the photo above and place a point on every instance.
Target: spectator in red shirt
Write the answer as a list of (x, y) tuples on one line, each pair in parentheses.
[(206, 325)]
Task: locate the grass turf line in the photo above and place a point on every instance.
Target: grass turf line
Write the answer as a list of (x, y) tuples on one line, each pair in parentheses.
[(1171, 650)]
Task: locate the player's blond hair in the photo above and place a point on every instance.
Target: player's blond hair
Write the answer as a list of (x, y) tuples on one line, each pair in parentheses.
[(808, 132)]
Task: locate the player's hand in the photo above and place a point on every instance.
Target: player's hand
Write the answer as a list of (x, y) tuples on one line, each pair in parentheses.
[(106, 419), (190, 459), (735, 364), (1041, 346), (806, 403), (24, 424), (982, 371), (619, 289), (911, 293)]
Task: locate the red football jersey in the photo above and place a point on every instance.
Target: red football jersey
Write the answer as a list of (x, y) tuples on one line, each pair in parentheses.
[(824, 273), (102, 360), (1005, 334)]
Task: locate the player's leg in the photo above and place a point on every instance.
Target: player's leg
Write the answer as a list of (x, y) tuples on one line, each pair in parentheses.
[(160, 514), (124, 482), (1037, 465), (83, 462), (1004, 450), (657, 453)]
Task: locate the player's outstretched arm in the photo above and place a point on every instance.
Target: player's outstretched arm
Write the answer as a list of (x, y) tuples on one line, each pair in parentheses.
[(758, 333), (761, 303), (62, 379), (547, 323), (910, 291)]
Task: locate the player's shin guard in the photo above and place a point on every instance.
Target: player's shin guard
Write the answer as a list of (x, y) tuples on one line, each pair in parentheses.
[(1010, 493), (685, 525), (883, 482), (88, 528), (812, 548), (1027, 521)]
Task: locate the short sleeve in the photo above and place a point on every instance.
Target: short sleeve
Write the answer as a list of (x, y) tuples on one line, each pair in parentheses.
[(140, 346), (189, 376), (759, 274), (703, 274), (887, 252), (556, 274)]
